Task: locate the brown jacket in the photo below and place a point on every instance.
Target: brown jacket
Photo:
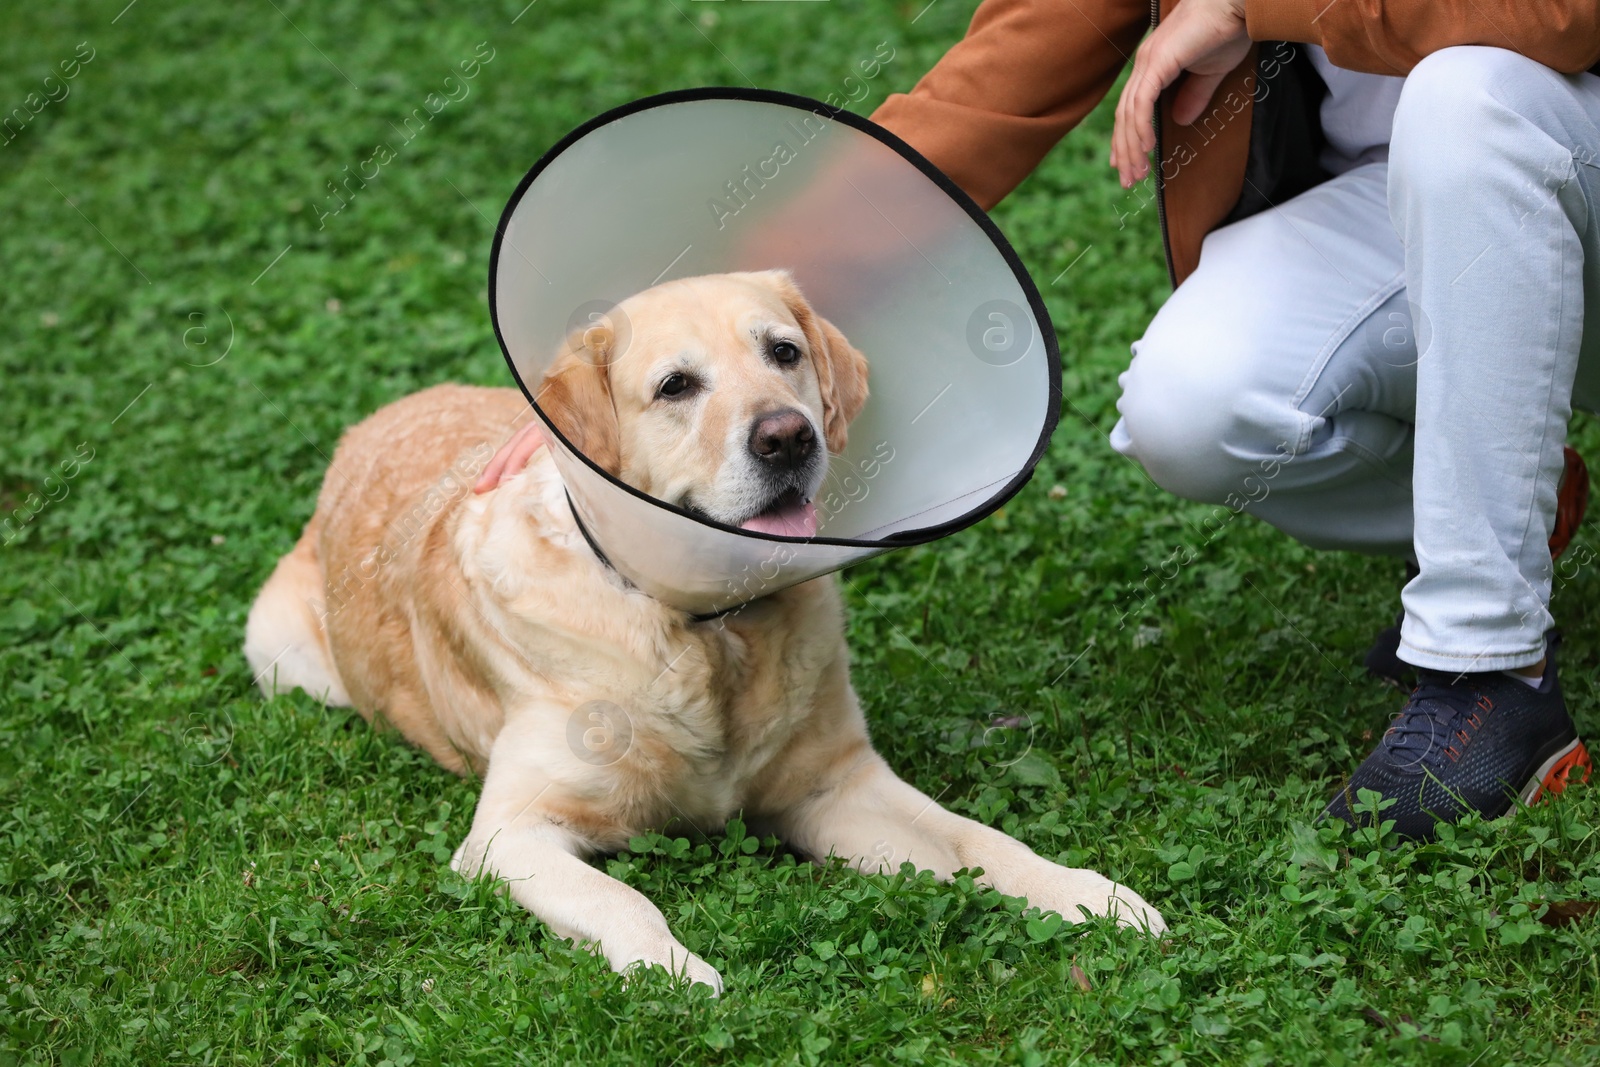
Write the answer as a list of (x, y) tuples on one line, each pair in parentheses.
[(1030, 70)]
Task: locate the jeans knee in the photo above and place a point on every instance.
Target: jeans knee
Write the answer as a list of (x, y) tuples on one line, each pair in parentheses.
[(1463, 107), (1453, 87), (1192, 429)]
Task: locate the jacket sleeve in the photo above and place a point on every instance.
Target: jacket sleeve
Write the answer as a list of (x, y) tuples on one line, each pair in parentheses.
[(1026, 73), (1391, 36)]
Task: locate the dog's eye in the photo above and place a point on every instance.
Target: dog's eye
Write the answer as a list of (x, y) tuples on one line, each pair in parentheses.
[(786, 352), (674, 385)]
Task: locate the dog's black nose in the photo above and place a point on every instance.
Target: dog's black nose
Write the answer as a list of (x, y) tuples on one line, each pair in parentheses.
[(783, 439)]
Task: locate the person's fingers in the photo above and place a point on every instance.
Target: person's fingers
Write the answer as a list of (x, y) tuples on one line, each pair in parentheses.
[(1133, 135), (1205, 34), (1122, 155), (529, 441), (491, 474), (1139, 120), (1122, 136), (1119, 150), (1161, 70), (512, 457), (1126, 153)]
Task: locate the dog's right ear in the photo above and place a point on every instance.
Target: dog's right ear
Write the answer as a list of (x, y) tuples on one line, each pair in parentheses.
[(576, 395)]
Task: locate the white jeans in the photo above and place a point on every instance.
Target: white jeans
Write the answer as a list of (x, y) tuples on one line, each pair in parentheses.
[(1387, 362)]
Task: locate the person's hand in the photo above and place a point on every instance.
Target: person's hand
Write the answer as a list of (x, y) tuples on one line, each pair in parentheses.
[(512, 457), (1207, 38)]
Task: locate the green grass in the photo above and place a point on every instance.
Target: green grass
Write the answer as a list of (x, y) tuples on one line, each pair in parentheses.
[(189, 874)]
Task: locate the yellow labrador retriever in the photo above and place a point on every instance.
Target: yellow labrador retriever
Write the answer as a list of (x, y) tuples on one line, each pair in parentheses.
[(487, 631)]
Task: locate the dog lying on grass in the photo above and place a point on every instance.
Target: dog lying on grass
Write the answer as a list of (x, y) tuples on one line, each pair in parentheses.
[(491, 635)]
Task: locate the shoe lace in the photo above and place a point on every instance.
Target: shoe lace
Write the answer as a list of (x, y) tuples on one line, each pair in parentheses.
[(1433, 724)]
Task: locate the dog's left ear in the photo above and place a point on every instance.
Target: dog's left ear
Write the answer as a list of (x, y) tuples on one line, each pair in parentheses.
[(576, 395), (841, 369)]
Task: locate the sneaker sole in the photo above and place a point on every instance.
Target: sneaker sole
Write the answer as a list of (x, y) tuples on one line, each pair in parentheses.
[(1557, 772)]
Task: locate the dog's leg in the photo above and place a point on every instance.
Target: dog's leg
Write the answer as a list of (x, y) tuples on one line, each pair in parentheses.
[(874, 820), (515, 837)]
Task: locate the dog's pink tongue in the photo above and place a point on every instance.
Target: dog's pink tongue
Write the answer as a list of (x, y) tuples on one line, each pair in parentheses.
[(793, 520)]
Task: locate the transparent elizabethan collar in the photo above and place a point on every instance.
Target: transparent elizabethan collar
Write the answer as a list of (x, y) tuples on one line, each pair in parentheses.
[(964, 372)]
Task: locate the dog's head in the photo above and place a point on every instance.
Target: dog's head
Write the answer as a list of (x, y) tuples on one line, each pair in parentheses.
[(722, 394)]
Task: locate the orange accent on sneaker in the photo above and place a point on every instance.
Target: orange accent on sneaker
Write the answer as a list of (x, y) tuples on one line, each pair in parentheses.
[(1561, 775), (1572, 500)]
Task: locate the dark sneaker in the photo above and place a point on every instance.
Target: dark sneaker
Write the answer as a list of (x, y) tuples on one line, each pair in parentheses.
[(1383, 660), (1468, 742)]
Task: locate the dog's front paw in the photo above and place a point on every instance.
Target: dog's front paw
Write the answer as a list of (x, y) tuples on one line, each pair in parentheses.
[(1072, 888), (676, 959), (1130, 909)]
